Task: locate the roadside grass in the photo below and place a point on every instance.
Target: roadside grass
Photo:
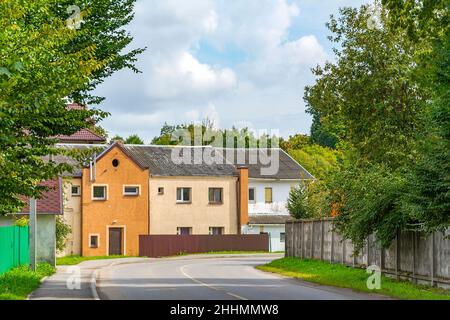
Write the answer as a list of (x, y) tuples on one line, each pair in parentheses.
[(72, 260), (347, 277), (18, 283), (75, 259)]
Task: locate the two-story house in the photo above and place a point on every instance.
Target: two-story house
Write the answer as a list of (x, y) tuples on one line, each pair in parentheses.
[(131, 190), (272, 174)]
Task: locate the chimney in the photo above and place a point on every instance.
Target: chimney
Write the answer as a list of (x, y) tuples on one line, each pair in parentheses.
[(243, 197)]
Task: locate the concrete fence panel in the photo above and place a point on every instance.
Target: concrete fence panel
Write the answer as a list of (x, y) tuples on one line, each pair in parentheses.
[(414, 256)]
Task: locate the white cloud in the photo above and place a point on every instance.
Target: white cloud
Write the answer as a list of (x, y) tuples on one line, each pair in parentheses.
[(183, 75), (264, 88)]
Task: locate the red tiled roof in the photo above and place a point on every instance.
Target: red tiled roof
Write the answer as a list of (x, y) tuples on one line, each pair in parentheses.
[(75, 106), (51, 201), (82, 135)]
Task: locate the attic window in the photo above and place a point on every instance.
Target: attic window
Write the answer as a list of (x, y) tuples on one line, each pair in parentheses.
[(115, 163)]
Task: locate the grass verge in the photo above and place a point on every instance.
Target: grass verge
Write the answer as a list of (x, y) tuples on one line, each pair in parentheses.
[(72, 260), (346, 277), (18, 283)]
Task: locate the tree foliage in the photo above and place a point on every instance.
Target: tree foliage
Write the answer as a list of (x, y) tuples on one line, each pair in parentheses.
[(63, 231), (207, 134), (134, 139), (297, 203), (42, 62), (386, 100), (102, 27)]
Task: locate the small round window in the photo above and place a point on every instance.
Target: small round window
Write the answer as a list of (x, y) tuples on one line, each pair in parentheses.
[(115, 163)]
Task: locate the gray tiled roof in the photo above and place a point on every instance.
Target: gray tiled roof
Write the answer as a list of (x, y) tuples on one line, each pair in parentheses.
[(268, 218), (159, 161), (258, 159), (77, 167)]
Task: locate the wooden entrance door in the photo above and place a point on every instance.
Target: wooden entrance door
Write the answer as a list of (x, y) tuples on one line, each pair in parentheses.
[(115, 241)]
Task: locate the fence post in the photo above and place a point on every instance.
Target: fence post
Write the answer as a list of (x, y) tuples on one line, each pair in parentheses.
[(321, 239), (432, 259), (332, 244), (368, 250), (292, 249), (33, 234), (302, 239), (312, 239), (343, 251), (414, 257), (397, 255)]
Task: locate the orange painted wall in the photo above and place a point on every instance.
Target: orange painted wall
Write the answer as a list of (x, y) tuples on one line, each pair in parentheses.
[(129, 212), (243, 195)]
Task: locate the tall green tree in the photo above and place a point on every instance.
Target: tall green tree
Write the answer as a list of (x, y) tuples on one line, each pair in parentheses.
[(372, 99), (102, 25), (134, 139), (40, 66), (427, 193)]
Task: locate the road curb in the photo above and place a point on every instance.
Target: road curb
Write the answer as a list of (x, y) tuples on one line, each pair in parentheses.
[(93, 285), (31, 294)]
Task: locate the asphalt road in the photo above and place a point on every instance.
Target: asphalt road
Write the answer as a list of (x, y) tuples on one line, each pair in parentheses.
[(218, 278)]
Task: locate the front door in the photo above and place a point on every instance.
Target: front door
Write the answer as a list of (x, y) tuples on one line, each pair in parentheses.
[(115, 241)]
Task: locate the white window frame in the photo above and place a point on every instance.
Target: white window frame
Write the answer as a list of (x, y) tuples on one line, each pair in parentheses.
[(106, 192), (98, 240), (254, 195), (182, 200), (138, 193), (75, 194)]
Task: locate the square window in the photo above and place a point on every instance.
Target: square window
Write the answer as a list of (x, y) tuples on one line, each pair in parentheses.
[(93, 241), (183, 195), (76, 191), (282, 237), (99, 192), (216, 231), (184, 231), (215, 195), (251, 195), (160, 190), (131, 190)]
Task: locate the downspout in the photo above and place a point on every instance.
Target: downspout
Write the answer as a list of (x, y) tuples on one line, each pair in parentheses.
[(238, 205), (148, 193)]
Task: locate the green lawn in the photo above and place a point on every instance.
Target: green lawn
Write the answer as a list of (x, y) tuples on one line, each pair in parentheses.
[(18, 283), (346, 277), (72, 260)]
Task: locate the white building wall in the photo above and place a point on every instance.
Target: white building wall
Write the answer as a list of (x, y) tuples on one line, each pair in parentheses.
[(274, 231), (280, 194)]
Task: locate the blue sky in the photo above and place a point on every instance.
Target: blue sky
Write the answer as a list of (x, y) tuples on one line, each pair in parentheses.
[(239, 63)]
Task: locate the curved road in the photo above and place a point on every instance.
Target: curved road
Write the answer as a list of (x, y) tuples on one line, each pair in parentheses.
[(205, 278)]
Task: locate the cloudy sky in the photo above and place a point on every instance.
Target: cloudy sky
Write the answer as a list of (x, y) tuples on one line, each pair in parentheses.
[(237, 62)]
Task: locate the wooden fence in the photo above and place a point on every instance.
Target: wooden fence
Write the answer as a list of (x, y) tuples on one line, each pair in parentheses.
[(168, 245), (411, 256)]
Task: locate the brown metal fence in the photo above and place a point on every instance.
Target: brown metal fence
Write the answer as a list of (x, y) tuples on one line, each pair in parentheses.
[(168, 245)]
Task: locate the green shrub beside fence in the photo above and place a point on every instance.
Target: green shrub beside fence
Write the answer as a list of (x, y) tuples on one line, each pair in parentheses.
[(14, 250)]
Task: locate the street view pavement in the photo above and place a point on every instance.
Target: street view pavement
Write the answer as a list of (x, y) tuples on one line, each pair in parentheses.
[(195, 277)]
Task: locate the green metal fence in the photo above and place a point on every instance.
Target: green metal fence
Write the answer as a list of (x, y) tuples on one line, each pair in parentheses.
[(14, 250)]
